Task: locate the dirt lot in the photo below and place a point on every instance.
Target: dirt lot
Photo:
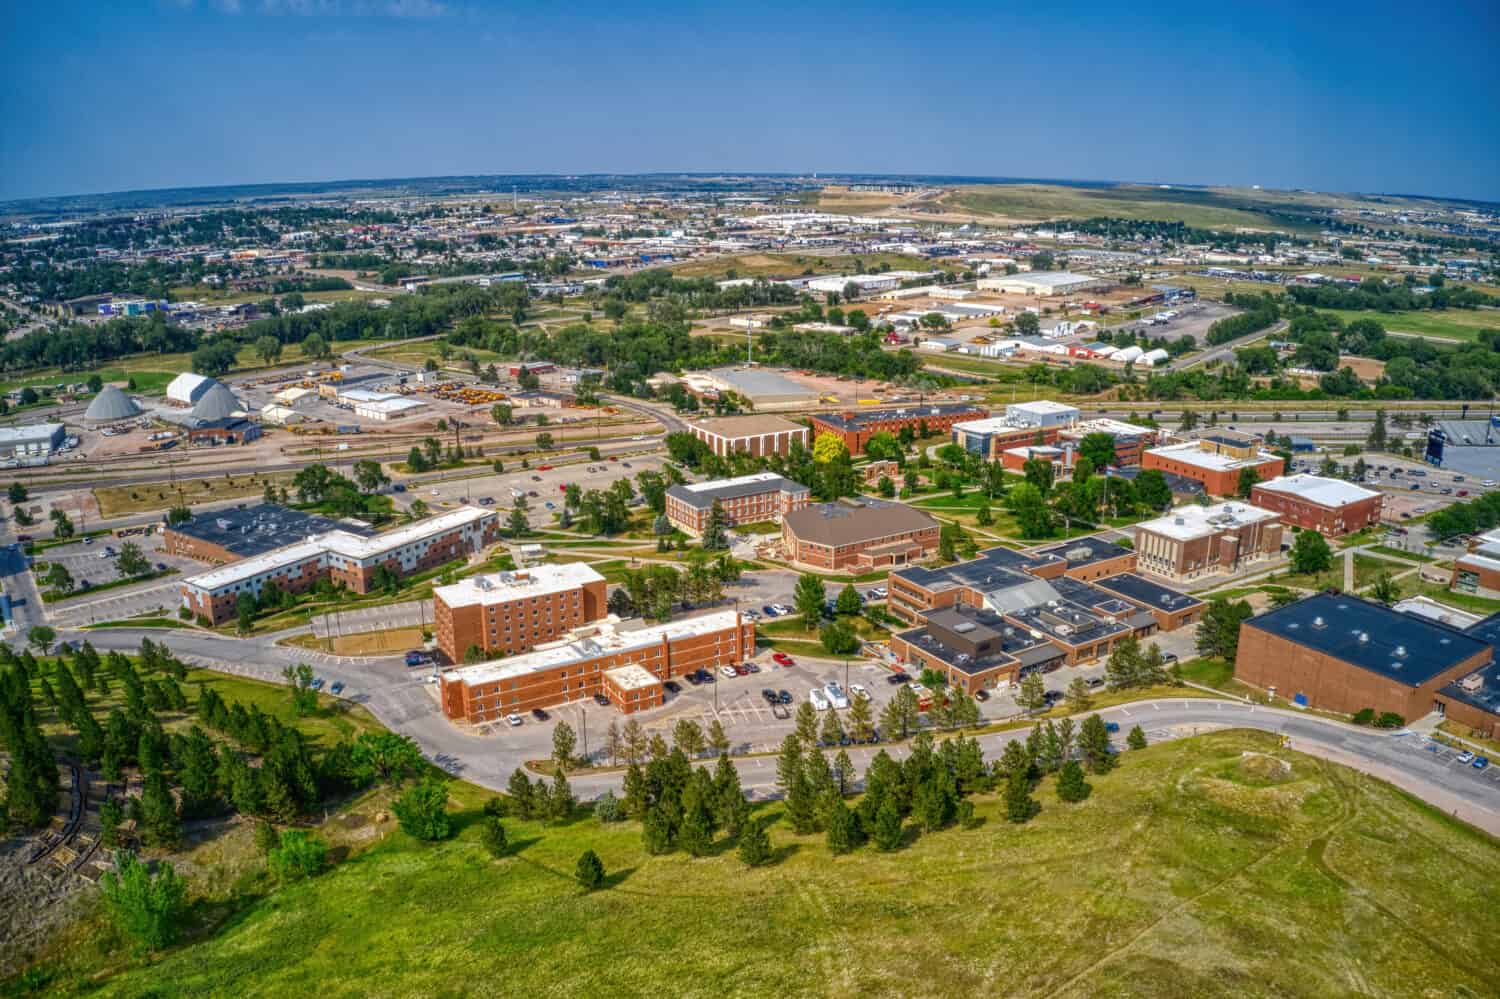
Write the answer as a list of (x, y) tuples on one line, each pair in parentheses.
[(378, 642)]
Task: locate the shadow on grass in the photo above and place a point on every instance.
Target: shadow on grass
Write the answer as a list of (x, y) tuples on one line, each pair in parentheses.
[(783, 853), (616, 878)]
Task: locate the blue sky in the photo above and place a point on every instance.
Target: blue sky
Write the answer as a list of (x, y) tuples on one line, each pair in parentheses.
[(1375, 97)]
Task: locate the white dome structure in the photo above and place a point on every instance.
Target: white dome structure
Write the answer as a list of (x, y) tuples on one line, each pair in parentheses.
[(218, 403), (187, 388), (111, 404)]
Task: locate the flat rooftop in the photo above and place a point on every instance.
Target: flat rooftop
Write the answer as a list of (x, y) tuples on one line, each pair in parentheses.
[(1317, 489), (757, 382), (701, 495), (1402, 647), (261, 528), (608, 639), (1188, 522), (991, 568), (855, 421), (521, 584), (1084, 551), (1144, 591), (1192, 454), (747, 426)]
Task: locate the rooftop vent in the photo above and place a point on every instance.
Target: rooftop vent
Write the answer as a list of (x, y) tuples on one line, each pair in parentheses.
[(1318, 622), (1364, 637), (964, 627), (1473, 681), (1400, 652)]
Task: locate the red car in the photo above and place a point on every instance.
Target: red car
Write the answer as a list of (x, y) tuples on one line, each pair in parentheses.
[(740, 670), (783, 659), (544, 468)]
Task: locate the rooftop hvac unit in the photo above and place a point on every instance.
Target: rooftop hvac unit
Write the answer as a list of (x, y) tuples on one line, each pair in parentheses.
[(1400, 652), (223, 523), (964, 628), (1065, 629), (1318, 622), (1473, 681), (1364, 637)]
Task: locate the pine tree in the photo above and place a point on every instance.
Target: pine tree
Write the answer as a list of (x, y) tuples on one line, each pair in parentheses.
[(1070, 783), (888, 832), (861, 725), (560, 801), (755, 845), (842, 829), (162, 827), (522, 794), (807, 724), (801, 805), (1136, 739), (833, 729), (789, 763), (843, 771), (656, 831), (1019, 806), (1093, 742), (590, 871)]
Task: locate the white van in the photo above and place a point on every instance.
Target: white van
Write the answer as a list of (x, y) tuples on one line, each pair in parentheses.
[(819, 700)]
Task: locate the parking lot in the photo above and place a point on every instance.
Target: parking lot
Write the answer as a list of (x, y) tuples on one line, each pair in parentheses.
[(96, 560), (1458, 759)]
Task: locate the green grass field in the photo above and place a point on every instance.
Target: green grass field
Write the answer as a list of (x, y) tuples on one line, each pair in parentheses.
[(1202, 207), (1214, 866), (1450, 324)]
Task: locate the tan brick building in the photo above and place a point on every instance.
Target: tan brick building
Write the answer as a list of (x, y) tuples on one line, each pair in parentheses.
[(506, 613), (858, 534), (1330, 506), (1193, 541), (590, 664), (755, 435), (749, 499)]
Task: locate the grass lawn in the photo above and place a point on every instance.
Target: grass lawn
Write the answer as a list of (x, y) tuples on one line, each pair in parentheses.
[(1192, 870), (1366, 571), (1209, 672), (141, 622), (793, 628), (1401, 553), (1451, 324), (117, 501), (789, 265)]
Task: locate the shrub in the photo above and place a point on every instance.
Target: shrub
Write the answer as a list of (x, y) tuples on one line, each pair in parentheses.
[(1364, 716), (1389, 719), (495, 806), (266, 837), (492, 834), (300, 855), (608, 808), (423, 811), (148, 908), (590, 871)]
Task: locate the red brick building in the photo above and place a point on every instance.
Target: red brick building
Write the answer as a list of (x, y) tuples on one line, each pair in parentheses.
[(1477, 570), (1195, 541), (750, 499), (607, 661), (860, 534), (1330, 506), (506, 613), (1217, 460), (1336, 652), (345, 558), (856, 428)]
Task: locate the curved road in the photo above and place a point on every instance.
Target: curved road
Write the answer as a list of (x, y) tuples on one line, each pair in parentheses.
[(403, 702)]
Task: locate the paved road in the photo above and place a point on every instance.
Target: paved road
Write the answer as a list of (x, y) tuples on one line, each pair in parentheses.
[(401, 700)]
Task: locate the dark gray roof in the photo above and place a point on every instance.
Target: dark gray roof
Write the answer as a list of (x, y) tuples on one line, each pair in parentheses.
[(838, 524), (1402, 647), (991, 568), (1083, 551), (218, 403), (1179, 485), (853, 421), (1147, 593), (260, 528), (702, 499), (111, 404)]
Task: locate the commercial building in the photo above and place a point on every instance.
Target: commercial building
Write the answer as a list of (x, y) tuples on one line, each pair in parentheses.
[(986, 622), (1336, 652), (1329, 506), (861, 534), (765, 389), (32, 440), (1130, 440), (1217, 459), (509, 612), (1195, 541), (231, 430), (627, 666), (755, 435), (1035, 423), (1044, 284), (866, 283), (1477, 570), (856, 428), (388, 407), (231, 535), (344, 557), (1474, 700), (1042, 414), (750, 499)]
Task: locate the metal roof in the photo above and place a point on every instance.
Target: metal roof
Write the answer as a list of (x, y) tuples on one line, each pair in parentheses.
[(701, 496), (111, 404), (868, 520)]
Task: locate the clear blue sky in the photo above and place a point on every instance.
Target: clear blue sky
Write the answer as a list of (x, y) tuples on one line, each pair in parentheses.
[(1375, 97)]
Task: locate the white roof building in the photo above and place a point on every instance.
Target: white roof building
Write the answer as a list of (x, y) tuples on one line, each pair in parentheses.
[(522, 584), (187, 388), (1332, 493), (1188, 522), (608, 640)]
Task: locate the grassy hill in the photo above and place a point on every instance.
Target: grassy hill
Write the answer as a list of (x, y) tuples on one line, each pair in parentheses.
[(1202, 867)]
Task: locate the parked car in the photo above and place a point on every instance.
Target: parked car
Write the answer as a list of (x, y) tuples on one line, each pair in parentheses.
[(601, 700), (781, 608), (981, 694), (1465, 756), (415, 658), (784, 660), (514, 719), (750, 667), (539, 714), (769, 695), (768, 610), (1111, 726), (693, 679), (859, 691), (785, 697), (819, 700), (1095, 682), (836, 695), (727, 671), (317, 683), (1480, 762), (1169, 657), (672, 687), (897, 679)]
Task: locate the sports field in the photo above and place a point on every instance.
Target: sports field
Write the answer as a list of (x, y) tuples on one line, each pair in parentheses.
[(1214, 866)]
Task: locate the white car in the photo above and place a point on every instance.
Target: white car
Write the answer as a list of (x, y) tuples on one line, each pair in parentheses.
[(1488, 483), (1465, 756), (819, 700), (836, 695), (727, 672), (781, 608), (514, 719), (859, 691)]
